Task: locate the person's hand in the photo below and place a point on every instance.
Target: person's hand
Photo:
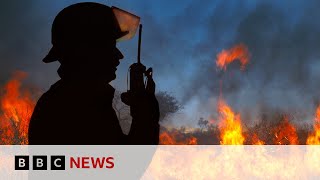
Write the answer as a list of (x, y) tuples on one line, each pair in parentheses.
[(144, 107)]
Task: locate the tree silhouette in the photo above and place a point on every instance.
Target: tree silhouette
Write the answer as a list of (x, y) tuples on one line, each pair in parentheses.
[(168, 105), (203, 123)]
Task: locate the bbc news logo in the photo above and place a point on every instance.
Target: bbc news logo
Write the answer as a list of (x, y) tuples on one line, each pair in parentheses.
[(40, 162)]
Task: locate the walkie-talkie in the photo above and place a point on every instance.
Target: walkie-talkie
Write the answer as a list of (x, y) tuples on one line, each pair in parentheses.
[(138, 73)]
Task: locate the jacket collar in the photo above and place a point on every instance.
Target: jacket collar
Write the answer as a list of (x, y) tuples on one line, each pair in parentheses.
[(95, 89)]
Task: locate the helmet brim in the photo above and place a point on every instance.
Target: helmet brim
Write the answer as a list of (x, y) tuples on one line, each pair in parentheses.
[(128, 24), (54, 56)]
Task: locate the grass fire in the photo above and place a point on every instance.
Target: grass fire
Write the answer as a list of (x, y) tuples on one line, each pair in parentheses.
[(17, 106), (18, 100)]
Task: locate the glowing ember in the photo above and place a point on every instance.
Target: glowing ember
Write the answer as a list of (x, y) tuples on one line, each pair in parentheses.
[(230, 127), (285, 133), (16, 107), (314, 138), (239, 52)]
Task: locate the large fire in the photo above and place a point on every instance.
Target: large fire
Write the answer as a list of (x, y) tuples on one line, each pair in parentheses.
[(230, 127), (239, 52), (231, 131), (16, 109), (314, 138), (17, 104)]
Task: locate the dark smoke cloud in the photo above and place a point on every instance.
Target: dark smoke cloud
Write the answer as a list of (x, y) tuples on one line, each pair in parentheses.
[(284, 42), (24, 40), (181, 40)]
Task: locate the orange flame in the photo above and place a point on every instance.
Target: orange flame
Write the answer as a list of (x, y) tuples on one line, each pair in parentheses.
[(192, 141), (17, 104), (256, 140), (225, 57), (314, 138), (285, 133), (166, 139), (17, 107), (170, 139), (230, 127)]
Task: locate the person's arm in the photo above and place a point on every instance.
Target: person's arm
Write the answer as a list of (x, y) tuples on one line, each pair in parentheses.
[(145, 120)]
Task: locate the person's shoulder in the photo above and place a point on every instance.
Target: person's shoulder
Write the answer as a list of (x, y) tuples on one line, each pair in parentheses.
[(54, 87), (50, 94)]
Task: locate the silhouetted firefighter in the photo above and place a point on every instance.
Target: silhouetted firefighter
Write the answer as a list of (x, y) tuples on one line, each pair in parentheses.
[(78, 108)]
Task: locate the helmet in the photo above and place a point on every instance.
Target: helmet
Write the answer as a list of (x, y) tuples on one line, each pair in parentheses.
[(87, 24)]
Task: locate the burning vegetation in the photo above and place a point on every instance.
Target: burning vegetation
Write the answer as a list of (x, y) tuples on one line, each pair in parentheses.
[(230, 127), (231, 131), (314, 138), (18, 101), (17, 106), (177, 138)]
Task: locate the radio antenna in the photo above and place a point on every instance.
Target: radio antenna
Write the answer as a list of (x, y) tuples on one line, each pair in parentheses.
[(139, 43)]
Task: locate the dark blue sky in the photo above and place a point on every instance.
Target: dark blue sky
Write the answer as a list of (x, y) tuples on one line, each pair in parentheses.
[(180, 41)]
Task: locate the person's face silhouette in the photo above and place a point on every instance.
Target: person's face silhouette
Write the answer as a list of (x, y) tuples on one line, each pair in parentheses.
[(98, 61), (105, 59)]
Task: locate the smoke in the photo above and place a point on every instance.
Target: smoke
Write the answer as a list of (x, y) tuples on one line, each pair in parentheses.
[(181, 40), (25, 40), (283, 40)]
